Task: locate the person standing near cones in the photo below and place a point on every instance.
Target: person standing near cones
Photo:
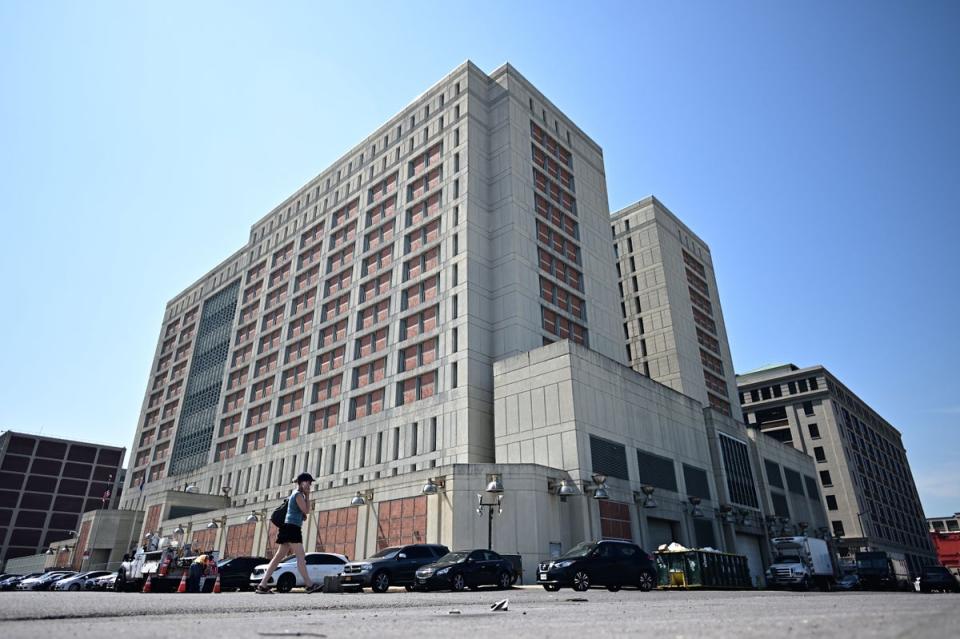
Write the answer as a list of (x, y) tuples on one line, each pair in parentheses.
[(290, 536)]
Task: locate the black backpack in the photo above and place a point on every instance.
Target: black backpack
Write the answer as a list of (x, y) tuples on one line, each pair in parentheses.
[(279, 516)]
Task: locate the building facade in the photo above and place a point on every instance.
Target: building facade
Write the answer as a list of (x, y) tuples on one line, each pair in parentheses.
[(672, 321), (354, 335), (945, 535), (436, 311), (45, 486), (862, 469)]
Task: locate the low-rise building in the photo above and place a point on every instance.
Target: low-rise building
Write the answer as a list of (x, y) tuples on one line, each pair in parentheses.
[(945, 535)]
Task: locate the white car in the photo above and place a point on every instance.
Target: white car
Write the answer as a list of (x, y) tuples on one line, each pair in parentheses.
[(78, 582), (286, 576)]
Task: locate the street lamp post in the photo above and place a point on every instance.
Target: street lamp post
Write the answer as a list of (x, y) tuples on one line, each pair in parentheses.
[(494, 488)]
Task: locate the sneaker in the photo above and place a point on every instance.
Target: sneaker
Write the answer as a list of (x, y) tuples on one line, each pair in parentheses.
[(314, 588), (263, 591)]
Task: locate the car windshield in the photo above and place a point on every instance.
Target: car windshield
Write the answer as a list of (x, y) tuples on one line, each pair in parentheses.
[(934, 572), (580, 550), (453, 557), (386, 553), (288, 559)]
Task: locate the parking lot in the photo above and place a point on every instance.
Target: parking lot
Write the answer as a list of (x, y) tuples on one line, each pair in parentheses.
[(532, 612)]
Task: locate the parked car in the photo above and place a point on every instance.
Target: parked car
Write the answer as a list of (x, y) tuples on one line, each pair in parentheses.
[(107, 582), (848, 582), (613, 564), (77, 582), (394, 566), (11, 583), (235, 573), (466, 569), (938, 578), (286, 576), (45, 580)]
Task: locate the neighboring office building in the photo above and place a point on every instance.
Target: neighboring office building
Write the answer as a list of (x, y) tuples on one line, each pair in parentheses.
[(673, 324), (945, 535), (45, 486), (865, 478)]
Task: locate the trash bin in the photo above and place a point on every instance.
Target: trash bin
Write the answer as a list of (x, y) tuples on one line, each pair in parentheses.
[(701, 569)]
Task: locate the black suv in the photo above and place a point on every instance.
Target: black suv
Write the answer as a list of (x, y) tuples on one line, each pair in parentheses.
[(235, 572), (613, 564), (466, 569), (394, 566), (938, 578)]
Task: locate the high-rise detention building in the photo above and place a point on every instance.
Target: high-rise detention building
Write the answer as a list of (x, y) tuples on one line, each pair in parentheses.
[(354, 334), (434, 315), (673, 326)]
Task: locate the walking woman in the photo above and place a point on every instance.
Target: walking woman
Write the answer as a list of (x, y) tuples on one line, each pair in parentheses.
[(290, 537)]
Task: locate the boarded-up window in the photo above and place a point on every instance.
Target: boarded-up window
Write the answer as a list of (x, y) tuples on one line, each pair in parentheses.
[(615, 520), (402, 521), (337, 531)]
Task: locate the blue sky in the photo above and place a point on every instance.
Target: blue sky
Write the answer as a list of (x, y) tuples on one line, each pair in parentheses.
[(813, 145)]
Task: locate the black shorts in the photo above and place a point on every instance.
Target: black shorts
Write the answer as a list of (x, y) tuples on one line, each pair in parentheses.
[(290, 534)]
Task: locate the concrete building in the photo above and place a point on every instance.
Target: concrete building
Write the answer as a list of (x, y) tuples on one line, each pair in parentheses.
[(435, 312), (354, 335), (45, 486), (862, 468), (672, 321), (945, 535)]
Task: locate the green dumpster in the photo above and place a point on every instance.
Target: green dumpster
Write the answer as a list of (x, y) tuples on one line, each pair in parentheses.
[(701, 569)]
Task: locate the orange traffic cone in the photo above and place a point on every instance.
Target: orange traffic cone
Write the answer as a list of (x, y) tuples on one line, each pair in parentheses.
[(216, 586), (148, 584), (183, 583)]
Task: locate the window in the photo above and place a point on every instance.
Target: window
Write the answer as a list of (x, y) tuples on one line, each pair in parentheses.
[(657, 471), (794, 483), (814, 431), (818, 454), (813, 383), (837, 528), (832, 502), (792, 388), (808, 409), (608, 458), (773, 473), (736, 463), (754, 396), (825, 478), (696, 482)]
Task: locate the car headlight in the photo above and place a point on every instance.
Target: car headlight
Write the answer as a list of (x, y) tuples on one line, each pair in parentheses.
[(563, 564), (442, 572), (366, 567), (798, 571)]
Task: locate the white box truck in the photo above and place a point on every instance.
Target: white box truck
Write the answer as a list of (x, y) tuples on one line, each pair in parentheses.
[(800, 562)]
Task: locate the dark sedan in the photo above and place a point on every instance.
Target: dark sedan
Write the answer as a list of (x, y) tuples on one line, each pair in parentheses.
[(938, 578), (235, 572), (466, 569), (613, 564)]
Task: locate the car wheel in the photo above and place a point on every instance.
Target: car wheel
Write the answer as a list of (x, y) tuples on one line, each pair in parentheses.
[(74, 587), (286, 582), (613, 588), (581, 581), (381, 582), (646, 582), (551, 587), (457, 584), (504, 580)]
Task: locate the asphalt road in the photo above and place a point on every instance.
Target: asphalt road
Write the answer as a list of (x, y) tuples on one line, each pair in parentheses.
[(532, 613)]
